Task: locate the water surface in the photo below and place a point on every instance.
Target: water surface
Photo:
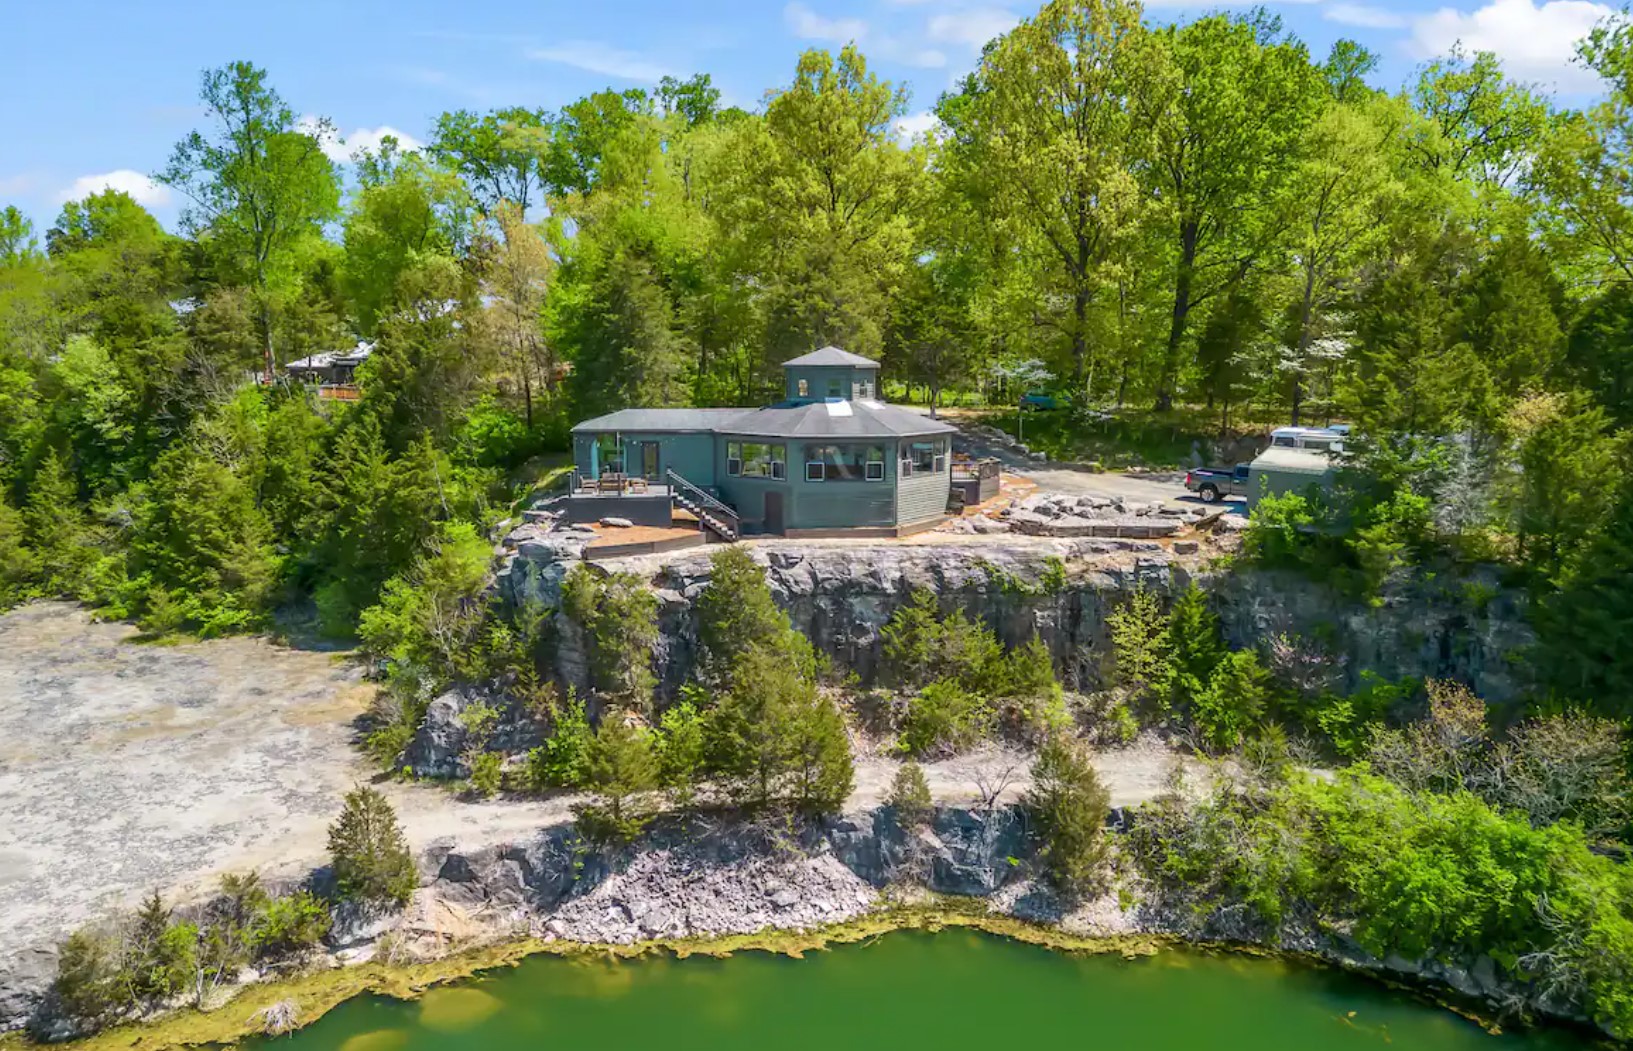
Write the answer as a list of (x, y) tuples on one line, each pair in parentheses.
[(952, 991)]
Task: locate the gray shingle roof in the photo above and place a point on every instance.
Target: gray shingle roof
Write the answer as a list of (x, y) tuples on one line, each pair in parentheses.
[(666, 420), (843, 419), (846, 419), (832, 356)]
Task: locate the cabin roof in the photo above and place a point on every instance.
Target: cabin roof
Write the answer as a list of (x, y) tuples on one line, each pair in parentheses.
[(835, 418), (831, 357)]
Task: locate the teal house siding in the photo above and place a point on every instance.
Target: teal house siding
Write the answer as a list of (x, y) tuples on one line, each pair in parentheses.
[(923, 496), (689, 455), (843, 503)]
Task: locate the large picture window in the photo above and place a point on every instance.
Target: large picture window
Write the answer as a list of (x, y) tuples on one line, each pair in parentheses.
[(844, 463), (756, 460), (924, 457)]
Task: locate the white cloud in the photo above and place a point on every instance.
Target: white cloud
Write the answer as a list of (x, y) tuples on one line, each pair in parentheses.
[(1534, 43), (370, 139), (1364, 16), (599, 58), (143, 190), (340, 148), (972, 28), (808, 25), (915, 125)]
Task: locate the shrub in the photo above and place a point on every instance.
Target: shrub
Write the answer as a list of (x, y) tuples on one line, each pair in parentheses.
[(1279, 533), (910, 796), (369, 852), (293, 923), (88, 986), (160, 956), (487, 773), (1196, 647), (561, 761), (943, 719), (1068, 806), (431, 613)]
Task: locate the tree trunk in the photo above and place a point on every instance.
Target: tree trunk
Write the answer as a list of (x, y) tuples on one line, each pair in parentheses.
[(527, 393), (1188, 235), (1306, 308)]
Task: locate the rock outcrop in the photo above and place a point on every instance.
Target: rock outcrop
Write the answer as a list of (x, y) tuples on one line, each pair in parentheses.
[(840, 594)]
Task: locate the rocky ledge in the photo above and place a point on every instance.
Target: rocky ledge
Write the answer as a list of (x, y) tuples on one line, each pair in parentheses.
[(700, 878)]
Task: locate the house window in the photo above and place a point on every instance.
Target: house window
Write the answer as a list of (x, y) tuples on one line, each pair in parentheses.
[(924, 457), (844, 463), (805, 388), (756, 460), (836, 388), (609, 454)]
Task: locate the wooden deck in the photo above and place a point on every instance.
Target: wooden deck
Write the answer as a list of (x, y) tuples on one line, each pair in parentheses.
[(618, 541)]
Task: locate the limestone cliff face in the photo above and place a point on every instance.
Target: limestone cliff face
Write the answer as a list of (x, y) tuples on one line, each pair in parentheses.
[(841, 594)]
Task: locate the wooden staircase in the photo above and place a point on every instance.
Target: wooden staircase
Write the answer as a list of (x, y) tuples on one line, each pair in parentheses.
[(715, 516)]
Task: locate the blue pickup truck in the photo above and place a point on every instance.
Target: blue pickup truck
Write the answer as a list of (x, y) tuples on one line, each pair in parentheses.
[(1212, 483), (1038, 400)]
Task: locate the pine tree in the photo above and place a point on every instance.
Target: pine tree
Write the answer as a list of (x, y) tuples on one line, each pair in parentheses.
[(1141, 645), (368, 851), (910, 796), (622, 770), (1232, 702), (19, 565), (160, 954), (1198, 646), (911, 642), (55, 527), (1068, 806), (1584, 628), (735, 611)]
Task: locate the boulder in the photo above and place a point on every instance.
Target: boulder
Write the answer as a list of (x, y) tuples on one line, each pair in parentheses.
[(614, 522), (1186, 547)]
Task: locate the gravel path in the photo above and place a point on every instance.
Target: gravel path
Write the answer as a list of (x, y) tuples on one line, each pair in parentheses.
[(126, 767)]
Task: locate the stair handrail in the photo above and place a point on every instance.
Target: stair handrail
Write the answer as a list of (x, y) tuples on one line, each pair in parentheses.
[(703, 497)]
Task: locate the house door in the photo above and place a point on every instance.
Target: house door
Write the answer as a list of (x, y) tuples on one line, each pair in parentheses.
[(773, 511), (648, 461)]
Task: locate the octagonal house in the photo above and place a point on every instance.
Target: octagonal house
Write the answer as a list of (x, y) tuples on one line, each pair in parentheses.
[(830, 459)]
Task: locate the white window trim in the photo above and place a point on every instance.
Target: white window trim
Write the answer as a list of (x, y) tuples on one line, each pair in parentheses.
[(941, 463), (779, 469), (822, 471), (870, 467)]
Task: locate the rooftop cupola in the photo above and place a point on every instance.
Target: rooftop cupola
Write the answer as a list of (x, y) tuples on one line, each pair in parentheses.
[(830, 374)]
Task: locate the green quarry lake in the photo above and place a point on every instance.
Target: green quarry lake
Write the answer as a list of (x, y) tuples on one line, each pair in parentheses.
[(949, 991)]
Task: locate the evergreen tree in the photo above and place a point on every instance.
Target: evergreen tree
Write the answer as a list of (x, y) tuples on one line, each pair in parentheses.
[(910, 644), (1068, 806), (200, 533), (1232, 702), (1584, 626), (622, 769), (619, 616), (160, 955), (774, 737), (55, 527), (1197, 645), (19, 566), (1141, 645), (368, 851), (735, 611), (910, 796)]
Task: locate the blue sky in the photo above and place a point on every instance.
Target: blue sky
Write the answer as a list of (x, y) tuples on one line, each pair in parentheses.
[(95, 93)]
